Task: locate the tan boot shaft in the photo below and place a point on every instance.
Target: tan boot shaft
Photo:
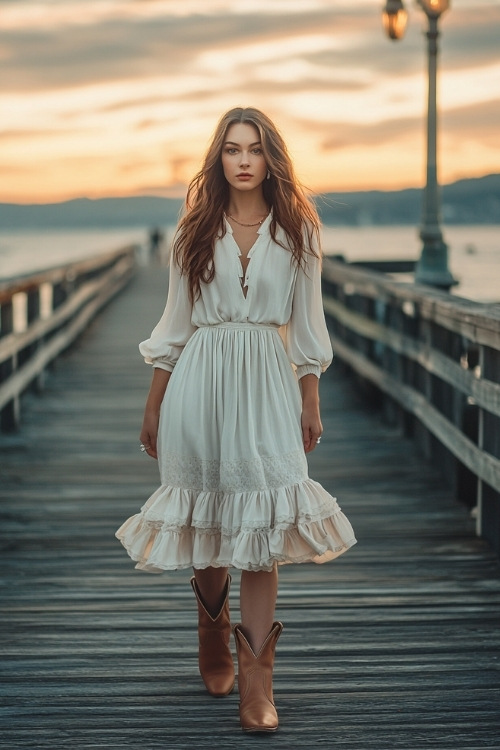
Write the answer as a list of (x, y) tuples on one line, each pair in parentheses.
[(255, 681), (215, 657)]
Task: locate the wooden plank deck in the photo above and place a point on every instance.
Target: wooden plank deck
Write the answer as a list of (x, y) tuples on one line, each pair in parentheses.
[(395, 645)]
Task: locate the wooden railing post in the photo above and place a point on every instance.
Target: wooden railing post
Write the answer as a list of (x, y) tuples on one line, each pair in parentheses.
[(10, 413), (424, 438), (488, 517), (32, 315)]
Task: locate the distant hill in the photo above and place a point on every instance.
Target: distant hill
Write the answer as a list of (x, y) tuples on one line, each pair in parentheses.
[(471, 201), (86, 213)]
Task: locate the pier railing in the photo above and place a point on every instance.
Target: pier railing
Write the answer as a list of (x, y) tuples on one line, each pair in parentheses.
[(41, 314), (432, 361)]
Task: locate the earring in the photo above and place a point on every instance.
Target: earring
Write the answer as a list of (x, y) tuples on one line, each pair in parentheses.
[(268, 177)]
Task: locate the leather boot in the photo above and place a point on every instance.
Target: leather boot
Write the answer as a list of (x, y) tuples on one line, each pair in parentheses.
[(255, 682), (215, 658)]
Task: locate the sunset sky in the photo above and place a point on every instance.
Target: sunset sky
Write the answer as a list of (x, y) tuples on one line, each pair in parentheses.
[(120, 97)]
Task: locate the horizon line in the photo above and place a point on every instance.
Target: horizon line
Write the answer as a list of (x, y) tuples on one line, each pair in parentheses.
[(158, 192)]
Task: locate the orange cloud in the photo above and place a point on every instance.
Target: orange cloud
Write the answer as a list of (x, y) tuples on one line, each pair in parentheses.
[(114, 98)]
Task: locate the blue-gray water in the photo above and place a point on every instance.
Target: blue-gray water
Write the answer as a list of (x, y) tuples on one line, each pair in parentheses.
[(474, 250)]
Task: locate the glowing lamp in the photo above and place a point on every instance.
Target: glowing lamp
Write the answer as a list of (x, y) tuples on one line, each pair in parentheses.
[(434, 8), (394, 18)]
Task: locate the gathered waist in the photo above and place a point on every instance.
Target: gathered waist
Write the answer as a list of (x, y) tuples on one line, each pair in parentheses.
[(240, 325)]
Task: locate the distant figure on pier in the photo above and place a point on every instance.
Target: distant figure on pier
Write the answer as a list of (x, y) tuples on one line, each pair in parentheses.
[(233, 407), (156, 238)]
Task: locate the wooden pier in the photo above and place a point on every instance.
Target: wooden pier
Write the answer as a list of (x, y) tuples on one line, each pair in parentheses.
[(395, 645)]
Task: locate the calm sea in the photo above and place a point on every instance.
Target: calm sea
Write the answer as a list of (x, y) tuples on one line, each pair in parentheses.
[(474, 251)]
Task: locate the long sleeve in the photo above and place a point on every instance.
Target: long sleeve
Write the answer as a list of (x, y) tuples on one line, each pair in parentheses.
[(174, 328), (307, 343)]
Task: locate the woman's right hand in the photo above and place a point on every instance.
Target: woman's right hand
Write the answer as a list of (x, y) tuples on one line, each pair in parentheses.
[(149, 432)]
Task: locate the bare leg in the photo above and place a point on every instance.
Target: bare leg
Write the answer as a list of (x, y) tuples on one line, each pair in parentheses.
[(258, 593), (211, 583)]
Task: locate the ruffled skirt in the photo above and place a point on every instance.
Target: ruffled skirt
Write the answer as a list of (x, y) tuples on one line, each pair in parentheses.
[(235, 489)]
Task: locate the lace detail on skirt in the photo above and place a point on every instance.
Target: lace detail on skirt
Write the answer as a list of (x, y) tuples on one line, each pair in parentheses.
[(212, 475)]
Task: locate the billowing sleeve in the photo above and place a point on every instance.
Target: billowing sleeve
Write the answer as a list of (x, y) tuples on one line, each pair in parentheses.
[(307, 343), (174, 329)]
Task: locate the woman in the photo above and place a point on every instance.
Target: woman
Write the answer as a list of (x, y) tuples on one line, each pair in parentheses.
[(241, 346)]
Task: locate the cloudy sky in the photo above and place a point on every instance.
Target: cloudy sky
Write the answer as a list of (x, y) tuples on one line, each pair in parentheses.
[(120, 97)]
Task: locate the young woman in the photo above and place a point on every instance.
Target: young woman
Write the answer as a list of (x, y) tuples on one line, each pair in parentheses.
[(233, 406)]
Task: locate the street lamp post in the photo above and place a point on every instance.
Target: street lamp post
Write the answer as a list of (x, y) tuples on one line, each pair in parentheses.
[(432, 267)]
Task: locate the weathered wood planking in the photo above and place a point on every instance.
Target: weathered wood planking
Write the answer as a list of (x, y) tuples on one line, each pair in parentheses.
[(395, 645)]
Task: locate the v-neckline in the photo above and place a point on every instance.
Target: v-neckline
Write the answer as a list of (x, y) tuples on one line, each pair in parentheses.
[(243, 273)]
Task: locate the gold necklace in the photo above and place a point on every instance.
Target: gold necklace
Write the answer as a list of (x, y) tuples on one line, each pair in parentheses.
[(246, 225)]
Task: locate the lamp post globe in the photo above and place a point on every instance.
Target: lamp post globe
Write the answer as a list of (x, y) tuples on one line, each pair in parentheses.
[(434, 7), (394, 18)]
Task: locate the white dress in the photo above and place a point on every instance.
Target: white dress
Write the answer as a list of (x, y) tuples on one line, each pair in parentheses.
[(235, 489)]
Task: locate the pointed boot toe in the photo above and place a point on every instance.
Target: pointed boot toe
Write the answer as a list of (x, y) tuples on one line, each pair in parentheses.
[(255, 682)]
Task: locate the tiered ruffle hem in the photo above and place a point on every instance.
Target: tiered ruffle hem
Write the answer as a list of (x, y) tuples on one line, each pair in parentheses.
[(179, 528)]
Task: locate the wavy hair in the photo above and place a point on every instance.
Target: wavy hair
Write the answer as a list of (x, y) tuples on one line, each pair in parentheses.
[(207, 200)]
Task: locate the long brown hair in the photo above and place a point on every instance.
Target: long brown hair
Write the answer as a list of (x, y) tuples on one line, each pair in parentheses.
[(208, 197)]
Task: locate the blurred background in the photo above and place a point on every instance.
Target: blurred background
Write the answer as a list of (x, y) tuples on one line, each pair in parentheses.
[(107, 107)]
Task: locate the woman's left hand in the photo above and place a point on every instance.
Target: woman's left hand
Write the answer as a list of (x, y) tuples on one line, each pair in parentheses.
[(311, 426)]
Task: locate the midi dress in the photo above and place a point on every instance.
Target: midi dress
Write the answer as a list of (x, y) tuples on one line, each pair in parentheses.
[(235, 489)]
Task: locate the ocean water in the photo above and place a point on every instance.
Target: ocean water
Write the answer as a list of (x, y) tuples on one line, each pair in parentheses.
[(27, 252), (474, 251)]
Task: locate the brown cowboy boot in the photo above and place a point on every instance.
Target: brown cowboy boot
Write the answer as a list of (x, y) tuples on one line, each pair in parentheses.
[(255, 682), (215, 658)]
